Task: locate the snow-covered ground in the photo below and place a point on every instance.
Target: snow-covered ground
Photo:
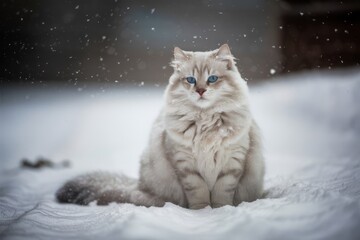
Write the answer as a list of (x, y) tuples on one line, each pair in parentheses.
[(311, 127)]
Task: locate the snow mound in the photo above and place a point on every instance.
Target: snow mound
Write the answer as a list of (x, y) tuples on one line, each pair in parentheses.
[(311, 128)]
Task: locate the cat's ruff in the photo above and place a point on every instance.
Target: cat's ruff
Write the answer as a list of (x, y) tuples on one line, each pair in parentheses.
[(204, 148)]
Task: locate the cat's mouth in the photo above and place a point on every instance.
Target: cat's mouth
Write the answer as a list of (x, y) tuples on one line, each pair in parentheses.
[(202, 101), (202, 98)]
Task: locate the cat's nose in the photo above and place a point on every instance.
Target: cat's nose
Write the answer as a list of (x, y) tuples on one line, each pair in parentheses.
[(200, 91)]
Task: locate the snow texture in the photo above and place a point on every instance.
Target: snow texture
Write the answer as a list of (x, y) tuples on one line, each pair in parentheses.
[(311, 127)]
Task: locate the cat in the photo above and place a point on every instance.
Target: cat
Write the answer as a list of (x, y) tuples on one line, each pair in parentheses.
[(205, 147)]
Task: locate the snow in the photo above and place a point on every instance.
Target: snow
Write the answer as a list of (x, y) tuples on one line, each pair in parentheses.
[(311, 128)]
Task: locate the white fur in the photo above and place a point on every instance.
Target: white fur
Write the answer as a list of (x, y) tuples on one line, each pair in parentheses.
[(209, 136), (203, 150)]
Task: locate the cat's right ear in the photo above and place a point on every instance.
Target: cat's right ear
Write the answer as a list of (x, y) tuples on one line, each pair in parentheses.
[(179, 55)]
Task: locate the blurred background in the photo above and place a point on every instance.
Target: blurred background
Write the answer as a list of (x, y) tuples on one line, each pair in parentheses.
[(116, 43)]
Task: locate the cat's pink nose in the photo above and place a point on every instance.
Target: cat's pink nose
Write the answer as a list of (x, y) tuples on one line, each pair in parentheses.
[(200, 91)]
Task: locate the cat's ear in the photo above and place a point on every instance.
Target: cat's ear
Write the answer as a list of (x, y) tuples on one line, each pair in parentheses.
[(179, 55), (224, 54), (223, 51)]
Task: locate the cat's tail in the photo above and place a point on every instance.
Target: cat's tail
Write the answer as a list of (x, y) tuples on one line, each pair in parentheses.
[(104, 188)]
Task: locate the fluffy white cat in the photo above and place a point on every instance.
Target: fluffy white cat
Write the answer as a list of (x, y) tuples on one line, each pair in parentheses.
[(204, 148)]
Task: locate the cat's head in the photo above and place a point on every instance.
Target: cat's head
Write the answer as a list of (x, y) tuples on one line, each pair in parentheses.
[(205, 79)]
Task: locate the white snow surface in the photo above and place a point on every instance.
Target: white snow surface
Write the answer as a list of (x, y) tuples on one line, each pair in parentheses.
[(311, 128)]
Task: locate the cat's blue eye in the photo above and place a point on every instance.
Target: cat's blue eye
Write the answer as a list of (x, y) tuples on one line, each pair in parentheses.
[(212, 79), (191, 80)]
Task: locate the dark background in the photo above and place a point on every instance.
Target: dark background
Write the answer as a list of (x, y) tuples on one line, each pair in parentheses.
[(118, 43)]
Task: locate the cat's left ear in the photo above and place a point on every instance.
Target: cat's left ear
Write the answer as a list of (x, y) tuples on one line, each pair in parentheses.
[(224, 54), (223, 51)]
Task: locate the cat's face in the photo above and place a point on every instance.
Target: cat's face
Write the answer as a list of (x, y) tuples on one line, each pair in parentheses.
[(204, 79)]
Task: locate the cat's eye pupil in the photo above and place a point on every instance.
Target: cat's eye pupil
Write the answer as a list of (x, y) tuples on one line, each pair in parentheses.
[(212, 79), (191, 80)]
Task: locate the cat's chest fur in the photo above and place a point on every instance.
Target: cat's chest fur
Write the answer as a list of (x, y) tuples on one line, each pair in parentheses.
[(200, 138)]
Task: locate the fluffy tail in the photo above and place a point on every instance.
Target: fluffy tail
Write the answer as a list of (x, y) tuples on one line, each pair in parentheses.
[(104, 188)]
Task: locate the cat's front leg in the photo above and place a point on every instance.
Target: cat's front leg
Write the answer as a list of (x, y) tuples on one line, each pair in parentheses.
[(196, 190), (224, 188)]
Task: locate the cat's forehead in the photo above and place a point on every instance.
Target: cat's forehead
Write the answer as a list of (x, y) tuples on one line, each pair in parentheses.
[(200, 55), (199, 58), (199, 62)]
